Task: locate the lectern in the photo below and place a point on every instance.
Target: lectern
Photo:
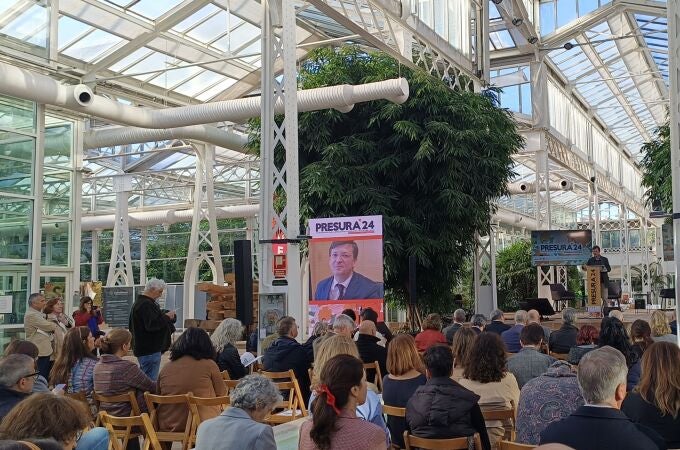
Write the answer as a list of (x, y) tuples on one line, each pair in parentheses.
[(593, 285)]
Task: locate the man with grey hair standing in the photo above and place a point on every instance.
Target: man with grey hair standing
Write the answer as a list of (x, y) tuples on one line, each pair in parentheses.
[(562, 340), (17, 375), (40, 331), (151, 328), (458, 321), (511, 337), (600, 424), (497, 324)]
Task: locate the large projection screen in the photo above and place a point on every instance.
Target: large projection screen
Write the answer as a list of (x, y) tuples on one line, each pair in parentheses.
[(561, 247)]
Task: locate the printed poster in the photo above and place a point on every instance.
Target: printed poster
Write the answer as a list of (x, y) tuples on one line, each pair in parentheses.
[(346, 266)]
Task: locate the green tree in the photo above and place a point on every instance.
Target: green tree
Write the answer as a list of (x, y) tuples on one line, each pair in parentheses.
[(431, 167), (516, 279), (656, 169)]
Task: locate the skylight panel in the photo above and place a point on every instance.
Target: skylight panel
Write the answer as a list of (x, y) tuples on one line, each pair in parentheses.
[(130, 59), (69, 30), (92, 46), (30, 26), (199, 83), (213, 91), (154, 61), (240, 36), (195, 18), (153, 9), (171, 78), (214, 27)]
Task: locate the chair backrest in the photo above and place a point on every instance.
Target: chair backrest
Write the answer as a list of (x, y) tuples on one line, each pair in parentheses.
[(154, 401), (504, 415), (286, 381), (121, 428), (507, 445), (225, 375), (128, 397), (557, 287), (394, 411), (667, 293), (230, 385), (615, 289), (196, 419), (377, 379), (461, 443), (81, 397)]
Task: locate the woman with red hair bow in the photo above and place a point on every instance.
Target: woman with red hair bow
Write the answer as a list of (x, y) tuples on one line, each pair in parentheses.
[(334, 424)]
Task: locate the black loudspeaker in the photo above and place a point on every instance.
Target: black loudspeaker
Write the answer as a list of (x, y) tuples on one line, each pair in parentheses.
[(640, 303), (542, 305), (412, 280), (243, 268)]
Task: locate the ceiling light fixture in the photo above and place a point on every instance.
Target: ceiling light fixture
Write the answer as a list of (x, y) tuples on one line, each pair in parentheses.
[(517, 21)]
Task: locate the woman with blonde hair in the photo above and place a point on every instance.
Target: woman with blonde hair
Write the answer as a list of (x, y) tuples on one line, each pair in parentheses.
[(661, 330), (406, 374), (223, 338), (462, 344), (371, 409), (655, 401)]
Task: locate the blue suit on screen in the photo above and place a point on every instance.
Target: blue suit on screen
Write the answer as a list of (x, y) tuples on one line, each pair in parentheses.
[(359, 288)]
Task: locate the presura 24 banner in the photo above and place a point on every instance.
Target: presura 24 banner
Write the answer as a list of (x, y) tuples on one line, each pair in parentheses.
[(560, 247)]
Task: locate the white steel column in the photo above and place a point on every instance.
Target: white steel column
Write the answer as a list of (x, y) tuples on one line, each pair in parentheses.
[(624, 250), (76, 208), (38, 170), (120, 265), (144, 235), (484, 270), (280, 180), (203, 243), (673, 8), (644, 244), (94, 269)]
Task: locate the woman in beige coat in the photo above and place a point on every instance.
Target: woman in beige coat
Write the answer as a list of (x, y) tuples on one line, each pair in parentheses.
[(192, 368)]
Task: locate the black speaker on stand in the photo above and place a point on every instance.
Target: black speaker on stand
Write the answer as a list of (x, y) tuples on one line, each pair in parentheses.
[(243, 268)]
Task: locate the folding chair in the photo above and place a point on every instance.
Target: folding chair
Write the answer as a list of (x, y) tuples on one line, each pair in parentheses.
[(128, 397), (461, 443), (121, 428), (507, 445), (196, 419), (154, 403), (293, 405), (503, 415), (377, 379)]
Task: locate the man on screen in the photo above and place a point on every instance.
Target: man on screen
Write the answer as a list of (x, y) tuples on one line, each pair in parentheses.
[(599, 260), (345, 283)]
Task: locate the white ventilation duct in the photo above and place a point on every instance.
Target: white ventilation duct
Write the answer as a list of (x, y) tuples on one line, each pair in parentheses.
[(165, 217), (40, 88), (130, 135), (514, 219), (529, 188)]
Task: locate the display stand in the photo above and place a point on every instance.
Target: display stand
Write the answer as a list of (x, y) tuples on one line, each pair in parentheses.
[(593, 288)]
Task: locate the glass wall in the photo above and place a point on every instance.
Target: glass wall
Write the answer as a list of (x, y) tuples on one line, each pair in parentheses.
[(448, 18)]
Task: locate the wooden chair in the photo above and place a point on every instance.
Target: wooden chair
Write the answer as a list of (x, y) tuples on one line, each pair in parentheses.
[(196, 419), (507, 445), (502, 415), (121, 428), (225, 375), (293, 405), (81, 397), (153, 402), (377, 379), (128, 397), (560, 356), (412, 442), (230, 385), (394, 411)]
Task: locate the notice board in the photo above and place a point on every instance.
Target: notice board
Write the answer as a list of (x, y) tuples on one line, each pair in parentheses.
[(118, 302)]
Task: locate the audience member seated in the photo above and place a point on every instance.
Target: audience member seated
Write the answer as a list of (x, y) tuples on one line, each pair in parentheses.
[(529, 362), (240, 425), (641, 336), (89, 316), (286, 353), (599, 424), (334, 423), (431, 334), (45, 416), (546, 399), (192, 368), (442, 408), (613, 334), (674, 324), (31, 444), (75, 365), (497, 324), (114, 375), (533, 316), (562, 340), (406, 374), (463, 342), (17, 375), (655, 402), (486, 375), (227, 333), (349, 312), (371, 409), (384, 332), (369, 350), (22, 347), (343, 325), (616, 314), (477, 323), (267, 342), (661, 330), (586, 340), (320, 329), (510, 336), (458, 322)]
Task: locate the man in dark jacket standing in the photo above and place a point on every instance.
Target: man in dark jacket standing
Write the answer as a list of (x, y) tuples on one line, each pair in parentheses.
[(151, 328), (369, 349), (286, 353), (17, 375), (442, 408)]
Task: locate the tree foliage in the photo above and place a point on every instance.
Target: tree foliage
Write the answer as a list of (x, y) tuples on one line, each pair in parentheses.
[(656, 169), (430, 166), (515, 277)]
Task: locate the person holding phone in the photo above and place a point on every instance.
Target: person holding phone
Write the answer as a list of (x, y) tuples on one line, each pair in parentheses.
[(88, 315)]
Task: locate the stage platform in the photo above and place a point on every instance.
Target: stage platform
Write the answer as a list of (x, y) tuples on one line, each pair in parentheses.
[(554, 322)]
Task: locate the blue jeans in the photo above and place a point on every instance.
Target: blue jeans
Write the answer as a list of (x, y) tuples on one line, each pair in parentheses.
[(95, 439), (150, 364)]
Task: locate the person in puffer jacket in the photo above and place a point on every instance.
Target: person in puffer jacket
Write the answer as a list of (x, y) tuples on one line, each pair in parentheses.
[(442, 408)]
